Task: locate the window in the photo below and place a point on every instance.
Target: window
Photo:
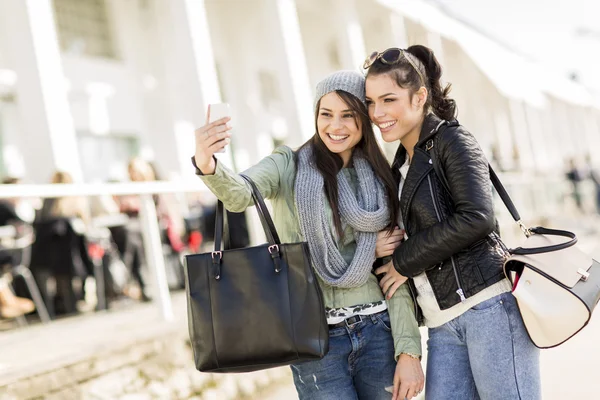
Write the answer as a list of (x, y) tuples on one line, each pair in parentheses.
[(334, 56), (2, 172), (269, 91), (83, 28), (105, 157)]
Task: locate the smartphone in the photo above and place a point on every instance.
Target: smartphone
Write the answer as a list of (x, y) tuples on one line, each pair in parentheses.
[(218, 111)]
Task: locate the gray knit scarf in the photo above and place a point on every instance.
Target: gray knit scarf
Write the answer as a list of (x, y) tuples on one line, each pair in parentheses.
[(366, 212)]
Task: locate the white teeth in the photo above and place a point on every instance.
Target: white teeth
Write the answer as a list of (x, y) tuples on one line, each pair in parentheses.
[(387, 124), (336, 137)]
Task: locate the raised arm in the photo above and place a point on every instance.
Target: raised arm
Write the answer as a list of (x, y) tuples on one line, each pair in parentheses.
[(235, 193)]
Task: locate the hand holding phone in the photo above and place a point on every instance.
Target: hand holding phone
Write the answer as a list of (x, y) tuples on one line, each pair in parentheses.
[(212, 137), (216, 112)]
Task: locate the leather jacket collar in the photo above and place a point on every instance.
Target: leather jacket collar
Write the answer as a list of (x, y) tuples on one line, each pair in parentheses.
[(428, 130)]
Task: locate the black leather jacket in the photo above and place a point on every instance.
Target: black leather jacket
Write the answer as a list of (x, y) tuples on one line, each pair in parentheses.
[(451, 236)]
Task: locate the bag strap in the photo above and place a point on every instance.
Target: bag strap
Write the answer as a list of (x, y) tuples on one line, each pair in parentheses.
[(266, 220), (430, 145), (222, 231), (263, 213), (547, 249)]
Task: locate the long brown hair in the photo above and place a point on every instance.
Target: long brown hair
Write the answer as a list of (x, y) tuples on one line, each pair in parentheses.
[(329, 164)]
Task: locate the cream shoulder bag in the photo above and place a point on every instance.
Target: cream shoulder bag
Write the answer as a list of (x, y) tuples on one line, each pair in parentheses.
[(556, 285)]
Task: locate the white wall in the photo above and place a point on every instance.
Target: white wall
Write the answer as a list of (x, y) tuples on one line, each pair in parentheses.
[(122, 102), (152, 91)]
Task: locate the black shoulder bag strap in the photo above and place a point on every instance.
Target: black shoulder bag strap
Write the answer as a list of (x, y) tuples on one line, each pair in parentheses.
[(263, 213), (431, 149)]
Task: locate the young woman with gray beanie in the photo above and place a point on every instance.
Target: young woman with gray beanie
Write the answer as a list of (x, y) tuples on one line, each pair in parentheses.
[(335, 192)]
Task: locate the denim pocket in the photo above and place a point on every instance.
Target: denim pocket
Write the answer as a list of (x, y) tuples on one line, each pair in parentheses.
[(385, 322), (487, 305)]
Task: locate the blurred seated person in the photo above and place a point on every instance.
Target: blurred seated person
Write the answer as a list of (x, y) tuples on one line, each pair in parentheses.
[(9, 216), (65, 207), (60, 249), (168, 213), (15, 210), (168, 209), (173, 232), (8, 211), (129, 238), (11, 306), (102, 247)]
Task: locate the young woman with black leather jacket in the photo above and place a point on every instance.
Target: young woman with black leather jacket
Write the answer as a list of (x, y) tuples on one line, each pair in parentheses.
[(451, 253)]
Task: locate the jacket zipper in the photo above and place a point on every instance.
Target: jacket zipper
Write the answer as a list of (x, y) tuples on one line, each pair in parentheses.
[(460, 291)]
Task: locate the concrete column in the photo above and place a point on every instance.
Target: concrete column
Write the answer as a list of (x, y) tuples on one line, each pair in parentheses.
[(435, 43), (503, 136), (522, 144), (398, 30), (538, 138), (291, 68), (48, 139), (181, 81), (563, 129), (351, 42), (591, 136)]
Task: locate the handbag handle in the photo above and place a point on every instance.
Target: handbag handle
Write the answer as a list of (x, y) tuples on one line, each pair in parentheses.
[(266, 220), (263, 213), (505, 197), (547, 249)]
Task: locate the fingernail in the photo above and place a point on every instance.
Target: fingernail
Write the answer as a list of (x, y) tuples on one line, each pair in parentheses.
[(227, 140)]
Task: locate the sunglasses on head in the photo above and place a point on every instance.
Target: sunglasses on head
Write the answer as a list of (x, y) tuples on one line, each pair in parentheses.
[(392, 56)]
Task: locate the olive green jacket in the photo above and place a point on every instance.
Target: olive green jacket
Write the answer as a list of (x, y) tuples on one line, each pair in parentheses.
[(274, 176)]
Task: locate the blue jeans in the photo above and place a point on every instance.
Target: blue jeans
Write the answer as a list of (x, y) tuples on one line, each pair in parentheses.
[(359, 365), (483, 354)]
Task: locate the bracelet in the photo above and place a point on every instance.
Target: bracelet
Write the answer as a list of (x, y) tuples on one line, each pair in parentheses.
[(416, 357)]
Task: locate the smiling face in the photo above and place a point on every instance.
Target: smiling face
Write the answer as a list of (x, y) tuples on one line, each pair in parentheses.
[(337, 126), (395, 110)]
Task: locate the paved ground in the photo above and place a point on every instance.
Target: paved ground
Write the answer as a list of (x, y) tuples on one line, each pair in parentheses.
[(40, 348), (569, 372)]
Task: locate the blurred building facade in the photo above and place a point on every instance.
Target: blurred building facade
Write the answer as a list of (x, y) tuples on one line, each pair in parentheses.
[(84, 85)]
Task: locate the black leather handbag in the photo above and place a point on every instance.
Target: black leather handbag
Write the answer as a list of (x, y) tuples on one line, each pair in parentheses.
[(257, 307)]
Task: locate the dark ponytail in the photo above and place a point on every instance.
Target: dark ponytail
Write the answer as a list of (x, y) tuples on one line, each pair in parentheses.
[(443, 106)]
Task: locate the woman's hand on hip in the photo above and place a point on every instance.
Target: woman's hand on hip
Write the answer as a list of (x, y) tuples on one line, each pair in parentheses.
[(409, 380), (391, 280), (386, 243), (211, 138)]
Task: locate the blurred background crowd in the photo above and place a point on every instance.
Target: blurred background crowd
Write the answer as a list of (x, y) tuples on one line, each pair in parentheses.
[(109, 91), (54, 251)]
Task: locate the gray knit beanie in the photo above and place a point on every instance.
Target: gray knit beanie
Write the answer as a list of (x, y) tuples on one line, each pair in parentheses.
[(352, 82)]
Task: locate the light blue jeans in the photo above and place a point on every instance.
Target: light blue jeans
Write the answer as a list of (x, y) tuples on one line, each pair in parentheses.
[(483, 354), (359, 365)]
